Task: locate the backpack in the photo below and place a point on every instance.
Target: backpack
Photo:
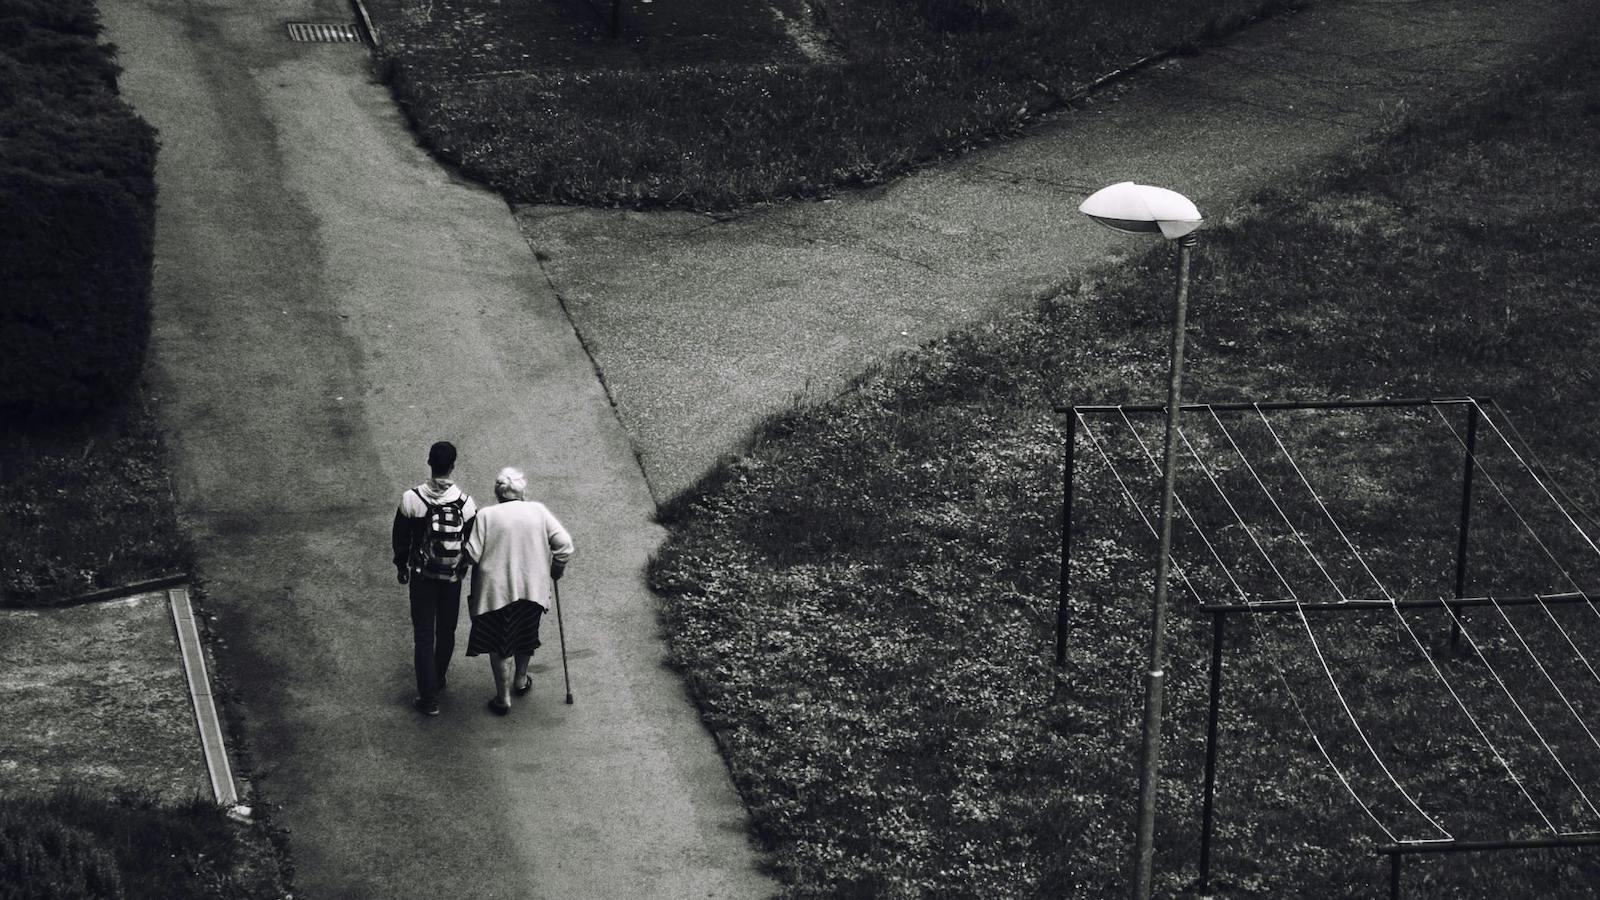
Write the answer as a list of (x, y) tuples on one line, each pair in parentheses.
[(438, 553)]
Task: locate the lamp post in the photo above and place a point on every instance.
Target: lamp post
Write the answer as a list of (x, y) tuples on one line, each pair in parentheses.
[(1142, 209)]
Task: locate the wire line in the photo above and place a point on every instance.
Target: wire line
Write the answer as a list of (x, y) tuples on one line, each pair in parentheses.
[(1126, 492), (1527, 526), (1294, 698), (1495, 673), (1195, 523), (1310, 633), (1560, 693), (1384, 590), (1528, 446), (1537, 480)]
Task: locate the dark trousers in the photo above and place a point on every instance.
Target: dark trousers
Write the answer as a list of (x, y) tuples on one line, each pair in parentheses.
[(435, 606)]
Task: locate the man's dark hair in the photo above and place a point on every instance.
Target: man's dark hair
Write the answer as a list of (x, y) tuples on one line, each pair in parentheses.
[(442, 458)]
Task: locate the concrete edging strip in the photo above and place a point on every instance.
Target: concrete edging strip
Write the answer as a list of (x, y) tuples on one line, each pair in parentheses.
[(121, 591), (205, 709), (366, 23)]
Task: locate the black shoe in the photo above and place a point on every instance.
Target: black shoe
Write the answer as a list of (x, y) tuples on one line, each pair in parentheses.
[(522, 687), (497, 708), (428, 706)]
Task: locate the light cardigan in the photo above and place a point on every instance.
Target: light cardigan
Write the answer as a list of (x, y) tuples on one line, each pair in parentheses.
[(511, 545)]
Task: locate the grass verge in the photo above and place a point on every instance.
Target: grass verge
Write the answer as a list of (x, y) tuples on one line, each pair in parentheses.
[(86, 504), (711, 105), (73, 845), (863, 605)]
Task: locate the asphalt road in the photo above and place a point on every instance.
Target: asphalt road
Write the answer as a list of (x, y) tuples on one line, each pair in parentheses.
[(328, 302)]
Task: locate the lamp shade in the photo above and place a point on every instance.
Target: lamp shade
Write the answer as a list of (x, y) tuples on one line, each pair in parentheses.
[(1142, 209)]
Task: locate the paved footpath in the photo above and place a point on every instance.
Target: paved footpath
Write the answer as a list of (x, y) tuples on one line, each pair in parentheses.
[(320, 282), (320, 285), (703, 327)]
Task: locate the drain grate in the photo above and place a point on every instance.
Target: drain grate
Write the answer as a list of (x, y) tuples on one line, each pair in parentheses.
[(340, 33)]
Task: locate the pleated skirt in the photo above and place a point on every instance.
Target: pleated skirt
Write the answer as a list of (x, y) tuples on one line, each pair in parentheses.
[(508, 631)]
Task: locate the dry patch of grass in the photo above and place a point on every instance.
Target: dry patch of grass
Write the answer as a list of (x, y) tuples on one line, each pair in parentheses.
[(105, 788), (96, 699)]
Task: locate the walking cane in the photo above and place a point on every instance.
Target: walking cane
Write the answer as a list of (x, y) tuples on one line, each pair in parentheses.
[(562, 632)]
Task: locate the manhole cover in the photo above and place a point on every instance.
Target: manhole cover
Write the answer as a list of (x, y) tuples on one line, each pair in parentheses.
[(340, 33)]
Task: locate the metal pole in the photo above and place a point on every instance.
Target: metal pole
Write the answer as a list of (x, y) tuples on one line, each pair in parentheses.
[(1394, 876), (1466, 518), (1253, 405), (1150, 762), (1591, 597), (1066, 540), (1217, 620), (555, 587), (616, 19), (1547, 843)]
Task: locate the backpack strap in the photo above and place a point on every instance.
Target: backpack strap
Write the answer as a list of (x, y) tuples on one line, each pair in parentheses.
[(419, 525)]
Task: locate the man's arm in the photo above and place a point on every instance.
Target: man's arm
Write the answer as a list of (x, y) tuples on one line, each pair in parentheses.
[(400, 540), (402, 537)]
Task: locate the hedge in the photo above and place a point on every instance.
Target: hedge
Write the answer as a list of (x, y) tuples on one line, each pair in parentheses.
[(77, 211), (43, 858), (131, 846)]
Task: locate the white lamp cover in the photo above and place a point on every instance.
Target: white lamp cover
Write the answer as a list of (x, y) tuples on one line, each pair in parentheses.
[(1142, 209)]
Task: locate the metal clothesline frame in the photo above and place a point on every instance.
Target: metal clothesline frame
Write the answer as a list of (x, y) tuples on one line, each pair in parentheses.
[(1075, 410), (1396, 851)]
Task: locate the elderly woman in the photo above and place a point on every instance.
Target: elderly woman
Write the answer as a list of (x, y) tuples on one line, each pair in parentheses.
[(518, 550)]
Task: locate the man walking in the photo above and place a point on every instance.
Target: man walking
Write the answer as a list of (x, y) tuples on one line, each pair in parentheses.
[(428, 535)]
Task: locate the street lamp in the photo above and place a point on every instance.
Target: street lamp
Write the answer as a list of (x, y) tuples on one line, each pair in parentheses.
[(1142, 209)]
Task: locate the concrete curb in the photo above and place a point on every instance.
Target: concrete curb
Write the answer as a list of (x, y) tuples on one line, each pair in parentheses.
[(205, 707), (369, 30), (117, 592)]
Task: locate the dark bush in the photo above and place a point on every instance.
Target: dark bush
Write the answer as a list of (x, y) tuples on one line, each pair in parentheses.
[(73, 17), (75, 260), (130, 845), (42, 858), (81, 135), (67, 56), (965, 15), (77, 206)]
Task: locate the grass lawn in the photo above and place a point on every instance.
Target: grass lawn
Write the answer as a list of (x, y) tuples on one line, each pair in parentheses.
[(864, 604), (96, 700), (86, 505), (711, 105), (99, 755)]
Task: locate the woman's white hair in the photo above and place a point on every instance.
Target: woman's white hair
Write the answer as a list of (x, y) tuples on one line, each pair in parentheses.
[(511, 484)]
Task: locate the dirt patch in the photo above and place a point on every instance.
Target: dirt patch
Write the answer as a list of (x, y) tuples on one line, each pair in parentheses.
[(95, 698)]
